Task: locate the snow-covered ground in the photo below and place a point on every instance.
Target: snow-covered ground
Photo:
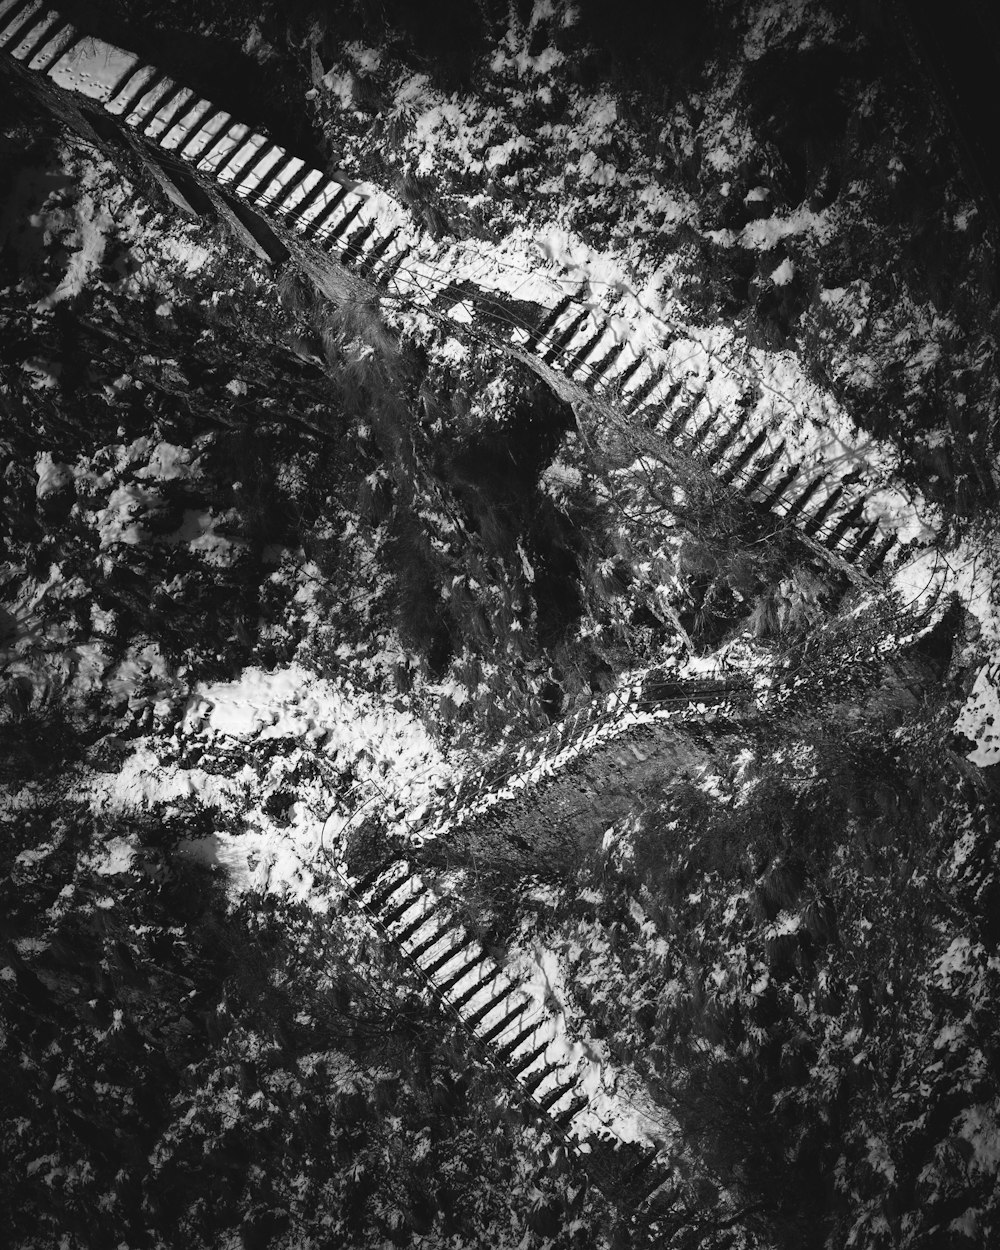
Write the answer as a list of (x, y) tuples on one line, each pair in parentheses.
[(292, 759), (544, 259), (262, 769)]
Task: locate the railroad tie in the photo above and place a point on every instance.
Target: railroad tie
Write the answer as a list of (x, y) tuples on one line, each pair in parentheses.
[(814, 522), (429, 943), (17, 17), (547, 323), (413, 926), (503, 1023), (453, 979), (53, 49), (468, 995), (642, 392), (388, 888), (556, 1095), (216, 154), (281, 204), (508, 1048), (665, 404), (31, 35), (167, 109), (523, 1063), (654, 1183), (682, 415), (140, 82), (272, 176), (148, 101), (354, 246), (580, 356), (532, 1082), (718, 450), (763, 469), (439, 935), (158, 90), (779, 488), (281, 183), (802, 499), (38, 38), (565, 1118), (564, 337), (294, 213), (701, 433), (377, 252), (316, 223), (399, 910), (877, 560), (862, 542), (365, 883), (462, 943), (221, 119), (187, 125), (598, 372), (852, 517), (728, 473), (333, 233), (244, 160), (622, 379)]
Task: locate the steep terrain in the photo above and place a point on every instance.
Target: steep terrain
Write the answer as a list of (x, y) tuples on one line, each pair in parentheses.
[(308, 572)]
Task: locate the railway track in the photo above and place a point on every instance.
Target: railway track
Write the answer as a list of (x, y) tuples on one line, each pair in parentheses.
[(658, 391), (513, 1027), (664, 393)]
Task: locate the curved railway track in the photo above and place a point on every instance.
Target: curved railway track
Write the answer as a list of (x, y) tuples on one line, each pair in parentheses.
[(654, 392)]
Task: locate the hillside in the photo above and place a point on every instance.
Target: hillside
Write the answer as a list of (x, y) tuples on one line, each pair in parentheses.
[(498, 742)]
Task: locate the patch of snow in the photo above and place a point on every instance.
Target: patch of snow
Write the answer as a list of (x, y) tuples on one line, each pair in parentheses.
[(341, 86), (979, 719), (199, 533), (192, 256), (144, 782), (119, 521), (784, 273), (94, 68), (389, 752), (763, 235), (88, 241), (365, 58), (778, 20), (52, 475), (167, 462), (114, 856)]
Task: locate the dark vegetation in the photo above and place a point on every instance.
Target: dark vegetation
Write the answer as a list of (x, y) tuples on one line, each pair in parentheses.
[(811, 992), (823, 1029), (186, 1074), (815, 1000)]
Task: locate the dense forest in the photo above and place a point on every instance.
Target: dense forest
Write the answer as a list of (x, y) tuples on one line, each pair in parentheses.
[(300, 573)]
